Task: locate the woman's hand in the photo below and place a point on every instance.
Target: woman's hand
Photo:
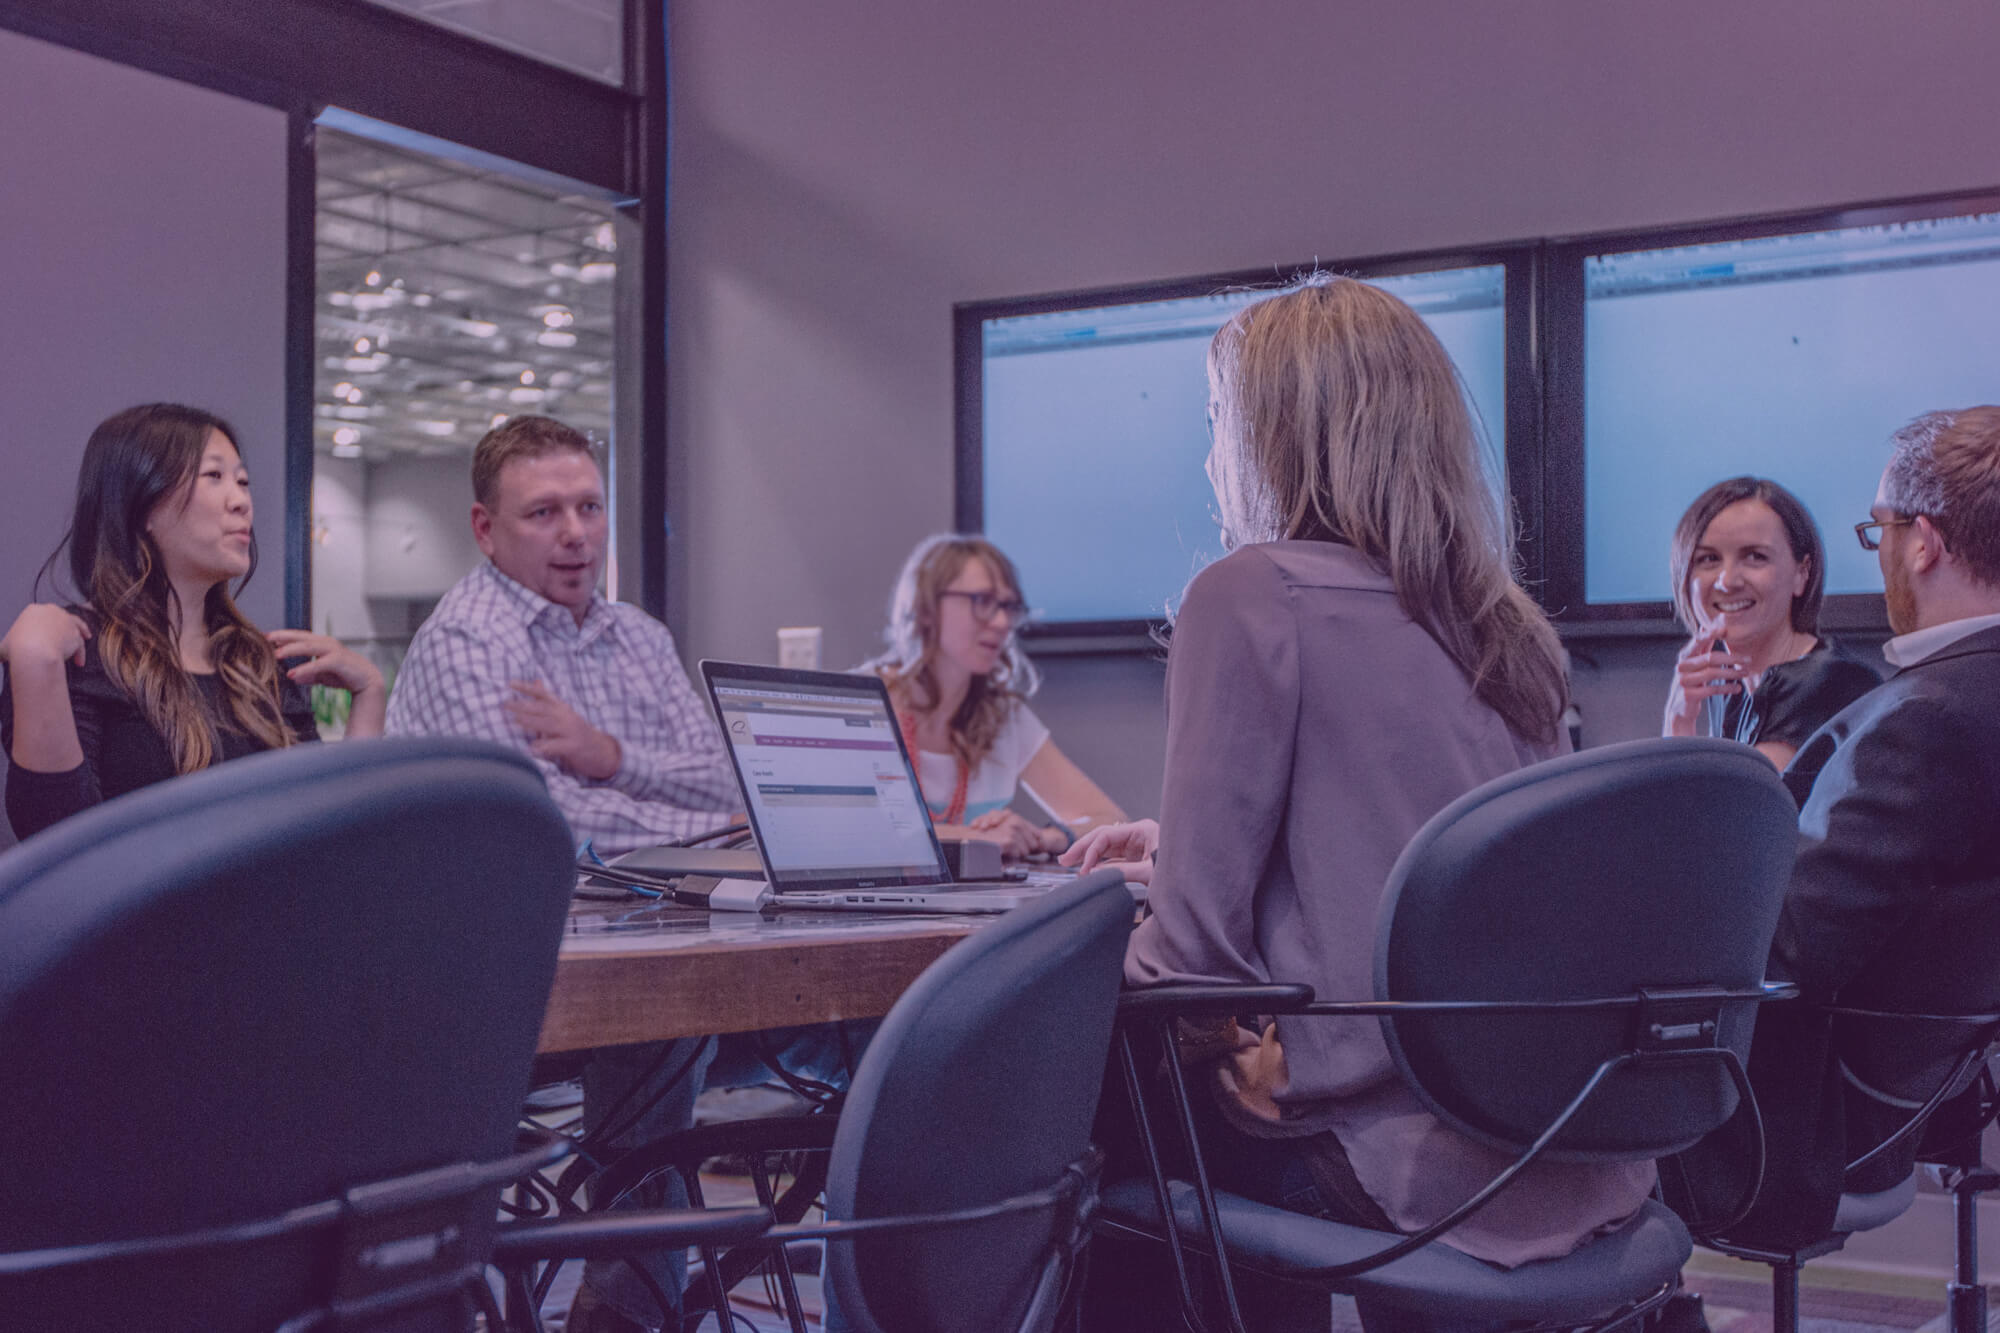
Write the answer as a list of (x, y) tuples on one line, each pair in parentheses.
[(331, 662), (1701, 673), (1132, 844), (44, 635), (38, 644), (1016, 836)]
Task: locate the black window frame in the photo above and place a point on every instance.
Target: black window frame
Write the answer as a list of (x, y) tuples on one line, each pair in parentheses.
[(1521, 260), (1562, 573)]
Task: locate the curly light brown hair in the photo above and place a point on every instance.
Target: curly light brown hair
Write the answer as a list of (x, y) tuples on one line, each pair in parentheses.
[(909, 666)]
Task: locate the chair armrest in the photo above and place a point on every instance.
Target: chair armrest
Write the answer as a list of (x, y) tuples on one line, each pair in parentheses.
[(687, 1149), (614, 1235), (1955, 1082), (781, 1133), (1212, 1000), (1904, 1016), (1765, 991)]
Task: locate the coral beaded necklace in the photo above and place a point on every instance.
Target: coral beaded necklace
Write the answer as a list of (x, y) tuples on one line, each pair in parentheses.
[(954, 813)]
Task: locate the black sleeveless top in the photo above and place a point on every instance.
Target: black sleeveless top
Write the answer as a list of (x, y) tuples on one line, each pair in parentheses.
[(1796, 698), (121, 750)]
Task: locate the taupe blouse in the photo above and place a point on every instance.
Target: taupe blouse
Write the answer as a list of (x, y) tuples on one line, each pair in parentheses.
[(1312, 728)]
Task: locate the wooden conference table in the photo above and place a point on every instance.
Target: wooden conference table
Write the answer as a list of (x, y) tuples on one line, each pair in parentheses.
[(635, 971)]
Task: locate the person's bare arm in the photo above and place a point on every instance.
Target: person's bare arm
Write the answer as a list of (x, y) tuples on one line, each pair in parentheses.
[(38, 649), (1778, 752), (1067, 792)]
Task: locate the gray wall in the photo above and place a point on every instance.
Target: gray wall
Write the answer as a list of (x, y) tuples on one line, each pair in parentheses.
[(843, 174), (142, 257), (142, 242)]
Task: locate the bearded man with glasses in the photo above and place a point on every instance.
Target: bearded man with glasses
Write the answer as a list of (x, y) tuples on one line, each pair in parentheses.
[(1895, 897)]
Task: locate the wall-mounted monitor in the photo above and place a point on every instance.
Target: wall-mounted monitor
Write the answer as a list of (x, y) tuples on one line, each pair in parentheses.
[(1787, 348), (1082, 424)]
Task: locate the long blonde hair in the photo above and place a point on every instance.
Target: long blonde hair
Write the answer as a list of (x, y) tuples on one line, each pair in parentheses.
[(910, 664), (1339, 416), (135, 461)]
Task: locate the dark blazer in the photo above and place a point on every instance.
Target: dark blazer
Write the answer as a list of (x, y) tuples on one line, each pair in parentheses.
[(1894, 904)]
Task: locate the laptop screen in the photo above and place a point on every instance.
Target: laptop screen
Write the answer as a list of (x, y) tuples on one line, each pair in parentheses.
[(830, 792)]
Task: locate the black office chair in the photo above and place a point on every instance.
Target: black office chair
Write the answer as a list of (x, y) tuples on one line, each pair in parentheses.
[(1914, 1066), (266, 1030), (1951, 1152), (959, 1170), (1568, 964)]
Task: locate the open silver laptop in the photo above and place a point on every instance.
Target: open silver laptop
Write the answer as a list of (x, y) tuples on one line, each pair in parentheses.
[(833, 798)]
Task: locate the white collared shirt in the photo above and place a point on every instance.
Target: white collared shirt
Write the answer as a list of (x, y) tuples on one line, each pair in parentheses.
[(1906, 650)]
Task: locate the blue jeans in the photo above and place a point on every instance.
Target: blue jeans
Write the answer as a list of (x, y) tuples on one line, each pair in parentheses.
[(819, 1051)]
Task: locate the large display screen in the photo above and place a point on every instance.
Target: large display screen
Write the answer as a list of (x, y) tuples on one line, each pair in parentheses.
[(1792, 357), (1093, 430)]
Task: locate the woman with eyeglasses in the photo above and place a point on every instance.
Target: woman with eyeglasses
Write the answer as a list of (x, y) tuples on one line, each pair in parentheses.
[(1749, 572), (154, 672), (960, 684)]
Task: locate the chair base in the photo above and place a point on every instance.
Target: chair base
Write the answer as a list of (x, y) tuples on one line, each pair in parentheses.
[(1857, 1212), (1593, 1284), (1965, 1294)]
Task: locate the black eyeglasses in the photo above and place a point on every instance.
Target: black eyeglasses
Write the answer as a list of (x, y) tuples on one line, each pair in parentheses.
[(1869, 534), (986, 605)]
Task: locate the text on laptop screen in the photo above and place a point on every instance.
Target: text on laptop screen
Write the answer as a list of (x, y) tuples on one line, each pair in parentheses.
[(829, 789)]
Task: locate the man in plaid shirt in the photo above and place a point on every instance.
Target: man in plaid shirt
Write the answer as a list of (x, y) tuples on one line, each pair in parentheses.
[(524, 651)]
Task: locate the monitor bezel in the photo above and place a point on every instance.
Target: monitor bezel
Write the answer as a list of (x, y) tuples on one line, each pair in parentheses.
[(1522, 427), (1555, 563)]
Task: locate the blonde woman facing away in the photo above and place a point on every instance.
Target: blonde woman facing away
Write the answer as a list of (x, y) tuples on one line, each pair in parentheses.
[(1360, 658), (960, 684), (154, 672)]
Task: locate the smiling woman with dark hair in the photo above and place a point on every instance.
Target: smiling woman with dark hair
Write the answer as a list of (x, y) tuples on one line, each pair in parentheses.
[(154, 672), (1749, 573)]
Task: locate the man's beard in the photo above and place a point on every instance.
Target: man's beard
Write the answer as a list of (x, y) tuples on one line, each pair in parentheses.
[(1896, 591)]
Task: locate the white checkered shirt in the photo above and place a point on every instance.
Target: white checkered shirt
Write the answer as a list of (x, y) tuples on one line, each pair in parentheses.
[(619, 670)]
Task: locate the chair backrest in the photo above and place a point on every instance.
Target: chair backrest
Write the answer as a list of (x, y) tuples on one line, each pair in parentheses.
[(246, 990), (1653, 865), (980, 1086)]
